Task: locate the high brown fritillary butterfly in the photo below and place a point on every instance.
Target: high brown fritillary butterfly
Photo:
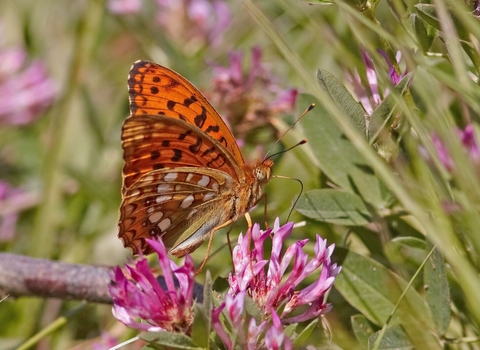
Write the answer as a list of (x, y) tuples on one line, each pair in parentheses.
[(184, 175)]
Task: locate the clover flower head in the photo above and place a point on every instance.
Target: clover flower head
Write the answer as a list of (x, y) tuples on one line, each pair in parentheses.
[(272, 287), (169, 309)]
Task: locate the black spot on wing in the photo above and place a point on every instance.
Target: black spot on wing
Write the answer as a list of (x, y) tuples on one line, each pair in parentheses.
[(177, 155), (184, 135), (154, 155), (196, 147), (201, 118), (171, 104), (188, 101)]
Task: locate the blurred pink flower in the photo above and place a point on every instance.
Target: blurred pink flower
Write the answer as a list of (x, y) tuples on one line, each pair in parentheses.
[(275, 288), (123, 7), (275, 338), (469, 142), (442, 153), (245, 97), (160, 310), (369, 95), (25, 89), (197, 22)]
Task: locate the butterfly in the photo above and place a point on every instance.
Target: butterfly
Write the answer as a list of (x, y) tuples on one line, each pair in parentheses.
[(184, 175)]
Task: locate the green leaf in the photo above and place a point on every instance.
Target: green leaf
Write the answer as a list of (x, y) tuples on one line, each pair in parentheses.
[(341, 161), (160, 340), (424, 39), (428, 12), (374, 290), (381, 115), (305, 334), (220, 285), (437, 290), (394, 338), (333, 206), (363, 329), (406, 250), (200, 327), (472, 53), (343, 99)]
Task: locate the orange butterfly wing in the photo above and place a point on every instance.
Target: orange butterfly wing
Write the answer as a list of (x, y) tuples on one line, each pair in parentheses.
[(180, 202), (154, 89)]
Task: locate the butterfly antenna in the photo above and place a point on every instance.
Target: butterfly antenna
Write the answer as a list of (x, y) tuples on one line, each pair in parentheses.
[(286, 150), (298, 196), (289, 128)]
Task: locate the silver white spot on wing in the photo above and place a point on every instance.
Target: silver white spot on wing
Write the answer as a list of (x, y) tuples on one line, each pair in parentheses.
[(204, 181), (170, 177), (163, 188), (162, 199), (187, 201), (164, 224)]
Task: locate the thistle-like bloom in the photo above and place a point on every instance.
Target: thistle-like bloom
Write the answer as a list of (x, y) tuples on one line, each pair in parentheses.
[(159, 309), (249, 98), (370, 96), (25, 89), (266, 335), (275, 290)]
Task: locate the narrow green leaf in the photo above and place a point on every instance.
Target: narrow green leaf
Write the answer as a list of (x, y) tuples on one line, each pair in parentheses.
[(363, 329), (437, 290), (207, 300), (200, 327), (406, 250), (428, 12), (421, 33), (374, 290), (343, 99), (305, 334), (340, 160), (472, 54), (167, 339), (393, 339), (333, 206)]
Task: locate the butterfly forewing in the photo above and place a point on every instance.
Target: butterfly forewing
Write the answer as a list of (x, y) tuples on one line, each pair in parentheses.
[(154, 89), (153, 142)]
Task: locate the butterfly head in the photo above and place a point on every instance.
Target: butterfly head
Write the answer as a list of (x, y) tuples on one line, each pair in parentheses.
[(263, 171)]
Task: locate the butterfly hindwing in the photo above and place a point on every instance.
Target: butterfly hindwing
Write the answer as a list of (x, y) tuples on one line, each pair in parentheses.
[(174, 204)]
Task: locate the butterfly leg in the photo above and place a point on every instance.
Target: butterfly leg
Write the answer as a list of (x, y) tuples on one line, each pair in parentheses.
[(210, 244), (229, 242)]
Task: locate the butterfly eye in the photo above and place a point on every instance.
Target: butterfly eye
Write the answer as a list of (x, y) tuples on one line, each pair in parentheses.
[(262, 174)]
